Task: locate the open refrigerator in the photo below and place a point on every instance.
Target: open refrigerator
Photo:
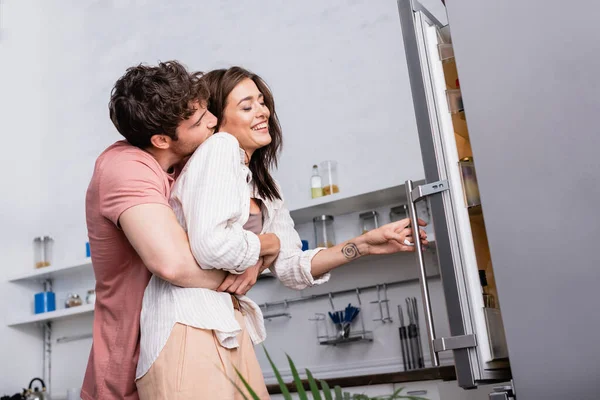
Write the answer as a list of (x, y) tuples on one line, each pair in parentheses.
[(477, 336)]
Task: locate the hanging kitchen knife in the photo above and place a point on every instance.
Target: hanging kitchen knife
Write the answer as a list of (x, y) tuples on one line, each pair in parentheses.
[(403, 340), (421, 362), (412, 333)]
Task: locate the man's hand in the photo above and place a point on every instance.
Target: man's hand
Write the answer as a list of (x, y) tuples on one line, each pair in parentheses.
[(242, 283), (392, 238), (269, 249)]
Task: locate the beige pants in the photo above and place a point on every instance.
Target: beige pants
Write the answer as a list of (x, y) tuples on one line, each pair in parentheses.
[(193, 365)]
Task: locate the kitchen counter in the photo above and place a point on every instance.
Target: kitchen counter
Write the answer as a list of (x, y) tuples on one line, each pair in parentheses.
[(445, 373)]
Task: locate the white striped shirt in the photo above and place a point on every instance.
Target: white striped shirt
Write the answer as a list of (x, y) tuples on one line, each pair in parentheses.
[(211, 199)]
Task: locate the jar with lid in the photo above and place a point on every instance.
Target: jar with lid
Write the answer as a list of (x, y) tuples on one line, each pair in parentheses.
[(330, 179), (324, 235), (369, 220), (73, 300), (469, 181), (91, 296), (42, 251), (398, 213)]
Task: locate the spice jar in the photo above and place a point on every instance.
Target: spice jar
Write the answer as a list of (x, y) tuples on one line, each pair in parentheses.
[(329, 176), (91, 296), (73, 300), (399, 212), (42, 251), (369, 221), (324, 236), (469, 181)]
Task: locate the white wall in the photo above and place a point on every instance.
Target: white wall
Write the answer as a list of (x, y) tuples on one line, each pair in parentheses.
[(336, 68), (23, 118)]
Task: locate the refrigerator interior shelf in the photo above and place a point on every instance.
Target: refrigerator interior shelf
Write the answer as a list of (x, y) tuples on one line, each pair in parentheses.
[(459, 122), (446, 51), (455, 102)]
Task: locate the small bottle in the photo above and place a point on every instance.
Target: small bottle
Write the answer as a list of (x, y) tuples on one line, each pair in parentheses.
[(316, 184), (488, 299)]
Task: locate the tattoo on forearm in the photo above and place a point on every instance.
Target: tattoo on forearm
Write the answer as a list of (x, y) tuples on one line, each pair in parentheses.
[(350, 251)]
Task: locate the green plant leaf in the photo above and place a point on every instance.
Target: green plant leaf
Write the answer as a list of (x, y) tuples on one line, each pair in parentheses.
[(299, 386), (284, 390), (314, 388), (326, 390), (338, 393), (250, 391)]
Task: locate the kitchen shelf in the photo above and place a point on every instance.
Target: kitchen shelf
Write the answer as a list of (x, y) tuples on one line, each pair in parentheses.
[(336, 204), (54, 315), (53, 272)]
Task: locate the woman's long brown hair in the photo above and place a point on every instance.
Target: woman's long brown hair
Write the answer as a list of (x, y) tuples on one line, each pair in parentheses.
[(220, 83)]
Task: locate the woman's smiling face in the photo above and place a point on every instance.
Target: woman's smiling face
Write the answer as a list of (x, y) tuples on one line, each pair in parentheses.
[(246, 116)]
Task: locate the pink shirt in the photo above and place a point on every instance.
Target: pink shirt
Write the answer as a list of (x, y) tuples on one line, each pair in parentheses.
[(124, 176)]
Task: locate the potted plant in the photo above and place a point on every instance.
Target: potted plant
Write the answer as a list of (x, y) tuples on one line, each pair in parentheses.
[(320, 390)]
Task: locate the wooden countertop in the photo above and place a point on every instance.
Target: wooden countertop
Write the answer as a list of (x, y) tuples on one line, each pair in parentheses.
[(446, 373)]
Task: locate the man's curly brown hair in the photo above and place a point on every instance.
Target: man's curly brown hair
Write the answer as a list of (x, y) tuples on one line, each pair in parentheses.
[(154, 100)]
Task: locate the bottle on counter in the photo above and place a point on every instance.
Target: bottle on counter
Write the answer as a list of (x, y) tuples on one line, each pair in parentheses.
[(316, 183)]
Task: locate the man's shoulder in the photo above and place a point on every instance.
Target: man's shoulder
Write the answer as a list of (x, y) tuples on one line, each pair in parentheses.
[(121, 158), (123, 151)]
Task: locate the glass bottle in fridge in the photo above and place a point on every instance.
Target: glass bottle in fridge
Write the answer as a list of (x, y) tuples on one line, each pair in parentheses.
[(324, 235), (330, 179), (469, 181)]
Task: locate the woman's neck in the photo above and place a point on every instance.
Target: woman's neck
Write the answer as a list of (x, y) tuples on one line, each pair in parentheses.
[(247, 155)]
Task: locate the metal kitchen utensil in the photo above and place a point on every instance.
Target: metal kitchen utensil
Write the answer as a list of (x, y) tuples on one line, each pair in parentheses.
[(385, 300), (421, 361), (412, 334), (403, 339), (378, 301)]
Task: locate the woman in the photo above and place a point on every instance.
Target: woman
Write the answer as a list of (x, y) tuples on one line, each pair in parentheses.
[(236, 220)]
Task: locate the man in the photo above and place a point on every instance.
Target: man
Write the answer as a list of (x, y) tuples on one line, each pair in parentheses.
[(161, 111)]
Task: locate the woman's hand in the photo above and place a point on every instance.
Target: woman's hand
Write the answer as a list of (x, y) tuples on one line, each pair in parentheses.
[(241, 283), (392, 238)]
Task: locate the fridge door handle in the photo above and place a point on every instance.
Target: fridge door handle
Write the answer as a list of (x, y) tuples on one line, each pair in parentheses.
[(413, 195)]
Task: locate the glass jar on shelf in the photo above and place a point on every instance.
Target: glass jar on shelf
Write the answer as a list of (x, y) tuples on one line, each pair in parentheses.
[(324, 235), (398, 213), (73, 300), (368, 221), (91, 296), (329, 176), (42, 251)]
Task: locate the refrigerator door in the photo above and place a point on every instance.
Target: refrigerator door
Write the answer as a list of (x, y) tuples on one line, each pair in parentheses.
[(477, 340)]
